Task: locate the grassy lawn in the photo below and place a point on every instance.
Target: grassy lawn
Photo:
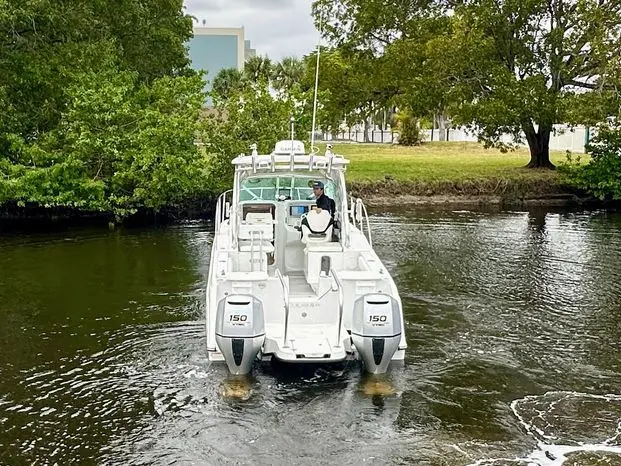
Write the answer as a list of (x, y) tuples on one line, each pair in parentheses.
[(438, 161)]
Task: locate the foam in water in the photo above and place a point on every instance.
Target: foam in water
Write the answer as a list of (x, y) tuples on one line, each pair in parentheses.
[(545, 416)]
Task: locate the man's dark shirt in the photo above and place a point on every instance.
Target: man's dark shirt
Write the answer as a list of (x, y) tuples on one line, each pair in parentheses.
[(325, 203)]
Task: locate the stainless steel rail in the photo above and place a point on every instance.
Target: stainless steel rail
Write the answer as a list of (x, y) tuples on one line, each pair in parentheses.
[(286, 298), (339, 284)]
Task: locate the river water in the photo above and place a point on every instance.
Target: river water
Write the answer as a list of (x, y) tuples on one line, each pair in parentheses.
[(514, 330)]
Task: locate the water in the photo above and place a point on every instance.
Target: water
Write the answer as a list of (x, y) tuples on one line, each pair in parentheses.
[(513, 321)]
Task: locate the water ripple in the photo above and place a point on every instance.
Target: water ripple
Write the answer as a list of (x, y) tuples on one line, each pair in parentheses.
[(104, 358)]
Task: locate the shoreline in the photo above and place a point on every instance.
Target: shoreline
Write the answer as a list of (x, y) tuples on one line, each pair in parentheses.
[(432, 176), (486, 192), (33, 218), (483, 200)]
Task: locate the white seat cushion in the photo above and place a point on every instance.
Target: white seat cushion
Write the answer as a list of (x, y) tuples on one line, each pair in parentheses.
[(246, 246), (334, 246), (259, 218)]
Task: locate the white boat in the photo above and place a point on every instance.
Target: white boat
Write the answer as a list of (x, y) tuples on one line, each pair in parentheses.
[(292, 283)]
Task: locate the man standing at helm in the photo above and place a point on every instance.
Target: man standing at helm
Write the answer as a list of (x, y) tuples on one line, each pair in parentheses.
[(323, 201)]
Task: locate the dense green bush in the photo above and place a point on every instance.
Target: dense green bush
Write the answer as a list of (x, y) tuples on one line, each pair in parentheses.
[(410, 133), (120, 146), (601, 176)]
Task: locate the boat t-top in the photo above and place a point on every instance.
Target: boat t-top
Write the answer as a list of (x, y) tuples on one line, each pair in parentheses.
[(291, 282)]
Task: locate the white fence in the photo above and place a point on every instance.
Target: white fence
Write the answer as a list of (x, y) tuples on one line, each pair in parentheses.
[(563, 138), (357, 135)]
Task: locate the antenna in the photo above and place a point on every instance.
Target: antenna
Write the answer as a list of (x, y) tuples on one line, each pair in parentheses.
[(312, 148), (292, 161)]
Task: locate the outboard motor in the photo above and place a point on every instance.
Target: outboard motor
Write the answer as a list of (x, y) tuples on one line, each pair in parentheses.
[(376, 330), (240, 331)]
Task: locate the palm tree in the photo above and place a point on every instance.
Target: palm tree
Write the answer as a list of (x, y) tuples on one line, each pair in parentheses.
[(289, 72), (258, 68), (227, 82)]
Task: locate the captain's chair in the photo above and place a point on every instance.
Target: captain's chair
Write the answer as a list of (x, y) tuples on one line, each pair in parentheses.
[(317, 227)]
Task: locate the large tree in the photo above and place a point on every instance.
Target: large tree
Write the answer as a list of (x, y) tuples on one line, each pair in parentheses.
[(251, 115), (45, 43), (288, 73), (99, 107), (258, 68), (505, 66), (354, 87), (227, 82)]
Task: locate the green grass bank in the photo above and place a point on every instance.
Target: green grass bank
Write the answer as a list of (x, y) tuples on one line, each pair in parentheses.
[(440, 172)]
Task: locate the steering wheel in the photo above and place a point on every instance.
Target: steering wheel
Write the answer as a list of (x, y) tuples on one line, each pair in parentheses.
[(298, 225)]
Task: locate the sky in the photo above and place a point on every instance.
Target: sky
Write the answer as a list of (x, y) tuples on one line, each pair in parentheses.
[(276, 28)]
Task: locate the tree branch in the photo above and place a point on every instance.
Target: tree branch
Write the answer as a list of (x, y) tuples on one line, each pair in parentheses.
[(573, 82), (379, 39)]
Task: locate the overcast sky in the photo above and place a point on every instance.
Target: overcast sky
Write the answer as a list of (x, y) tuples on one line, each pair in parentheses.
[(276, 28)]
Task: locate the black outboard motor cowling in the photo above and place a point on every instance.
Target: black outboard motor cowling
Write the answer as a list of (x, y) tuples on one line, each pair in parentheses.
[(240, 331), (376, 330)]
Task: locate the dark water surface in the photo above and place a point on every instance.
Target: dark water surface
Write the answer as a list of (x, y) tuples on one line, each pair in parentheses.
[(514, 333)]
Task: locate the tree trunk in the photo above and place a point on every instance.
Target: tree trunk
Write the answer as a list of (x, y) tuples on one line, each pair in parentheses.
[(367, 125), (441, 126), (539, 145)]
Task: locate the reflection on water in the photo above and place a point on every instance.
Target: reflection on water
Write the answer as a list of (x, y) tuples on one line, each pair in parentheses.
[(514, 357)]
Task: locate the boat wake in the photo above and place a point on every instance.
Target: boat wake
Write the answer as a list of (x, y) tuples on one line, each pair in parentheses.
[(579, 428)]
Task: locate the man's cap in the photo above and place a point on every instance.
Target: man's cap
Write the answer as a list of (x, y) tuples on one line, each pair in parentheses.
[(318, 184)]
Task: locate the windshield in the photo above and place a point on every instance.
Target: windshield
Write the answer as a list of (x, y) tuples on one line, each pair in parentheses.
[(271, 188)]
